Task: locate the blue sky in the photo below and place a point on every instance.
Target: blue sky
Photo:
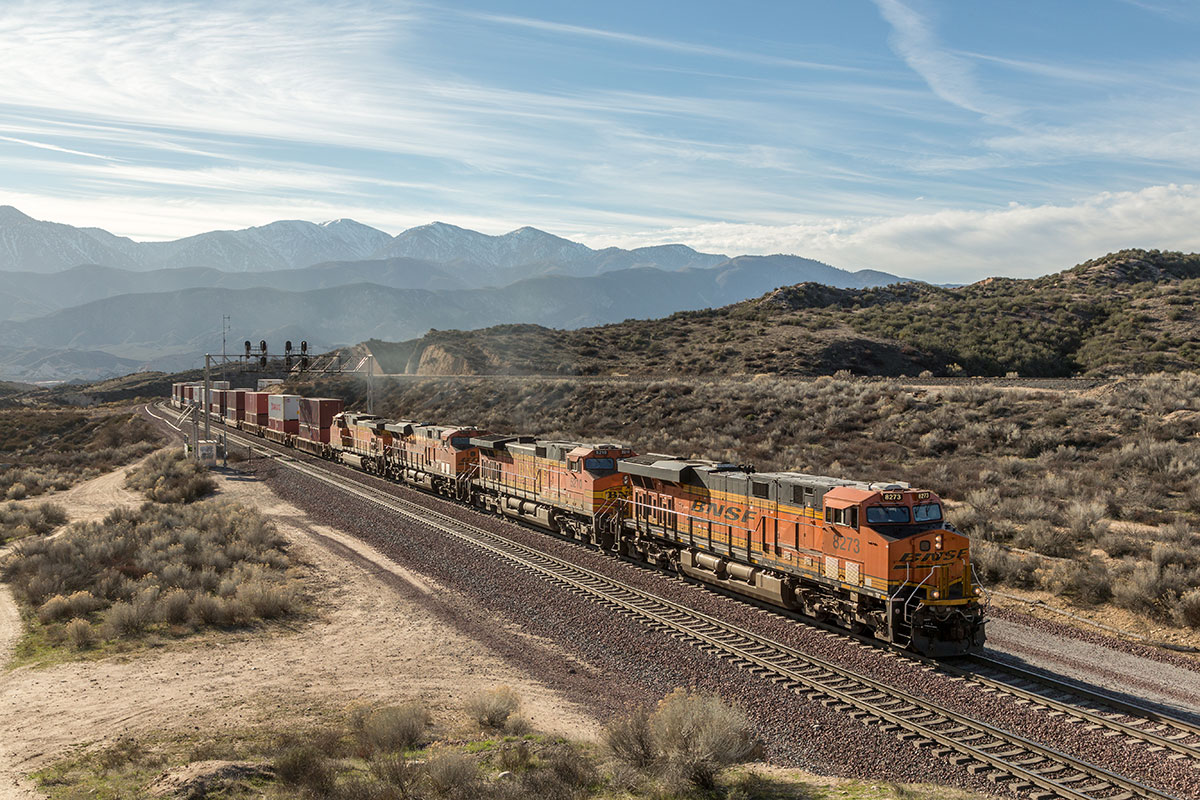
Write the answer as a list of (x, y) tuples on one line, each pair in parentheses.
[(941, 140)]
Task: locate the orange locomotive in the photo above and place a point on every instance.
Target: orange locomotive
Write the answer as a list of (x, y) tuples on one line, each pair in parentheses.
[(567, 487), (869, 557)]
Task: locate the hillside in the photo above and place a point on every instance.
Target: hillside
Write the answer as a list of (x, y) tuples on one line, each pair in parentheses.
[(1131, 311)]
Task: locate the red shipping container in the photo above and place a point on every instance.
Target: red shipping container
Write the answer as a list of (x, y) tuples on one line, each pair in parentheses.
[(284, 425), (314, 433), (319, 411), (256, 404)]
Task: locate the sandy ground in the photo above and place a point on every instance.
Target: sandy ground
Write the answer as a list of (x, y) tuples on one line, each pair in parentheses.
[(375, 642)]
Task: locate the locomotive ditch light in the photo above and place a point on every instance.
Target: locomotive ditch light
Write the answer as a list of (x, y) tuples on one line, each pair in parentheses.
[(935, 594), (978, 591)]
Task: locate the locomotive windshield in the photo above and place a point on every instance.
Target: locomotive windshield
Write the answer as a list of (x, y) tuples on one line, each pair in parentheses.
[(600, 464), (887, 515), (927, 512), (460, 442)]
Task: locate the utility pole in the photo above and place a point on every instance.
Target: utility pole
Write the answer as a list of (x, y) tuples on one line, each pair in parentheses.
[(371, 384), (224, 359)]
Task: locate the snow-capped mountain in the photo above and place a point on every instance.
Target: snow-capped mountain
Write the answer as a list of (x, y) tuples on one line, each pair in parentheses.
[(287, 244), (30, 245), (527, 252)]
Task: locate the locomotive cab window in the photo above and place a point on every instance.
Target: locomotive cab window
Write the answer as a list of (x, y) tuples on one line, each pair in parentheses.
[(842, 516), (460, 442), (887, 515), (573, 464), (602, 466), (927, 512)]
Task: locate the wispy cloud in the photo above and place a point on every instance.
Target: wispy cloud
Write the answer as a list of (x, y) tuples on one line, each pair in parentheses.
[(949, 76), (657, 43), (53, 147)]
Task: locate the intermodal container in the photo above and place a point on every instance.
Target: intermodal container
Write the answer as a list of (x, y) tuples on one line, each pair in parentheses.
[(319, 411), (314, 433), (283, 406)]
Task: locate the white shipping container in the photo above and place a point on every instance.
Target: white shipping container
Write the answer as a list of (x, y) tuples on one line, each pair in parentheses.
[(265, 383), (283, 406), (219, 384)]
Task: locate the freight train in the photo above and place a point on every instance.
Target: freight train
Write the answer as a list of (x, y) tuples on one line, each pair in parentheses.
[(875, 558)]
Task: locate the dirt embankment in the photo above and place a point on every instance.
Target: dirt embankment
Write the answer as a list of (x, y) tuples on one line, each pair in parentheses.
[(373, 641)]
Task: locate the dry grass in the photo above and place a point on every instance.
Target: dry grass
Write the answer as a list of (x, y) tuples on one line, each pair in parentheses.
[(687, 741), (170, 569), (18, 521), (492, 709), (169, 476)]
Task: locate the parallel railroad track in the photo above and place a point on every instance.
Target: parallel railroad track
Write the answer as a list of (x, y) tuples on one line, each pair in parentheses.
[(1023, 766)]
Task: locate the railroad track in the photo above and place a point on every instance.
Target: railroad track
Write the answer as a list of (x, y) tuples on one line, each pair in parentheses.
[(1021, 765), (1158, 731)]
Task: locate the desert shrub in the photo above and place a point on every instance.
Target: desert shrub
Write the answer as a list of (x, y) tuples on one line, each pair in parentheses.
[(514, 757), (163, 565), (1187, 609), (83, 603), (395, 770), (697, 736), (994, 564), (1087, 582), (54, 609), (209, 609), (1119, 542), (629, 740), (80, 634), (174, 606), (491, 709), (18, 521), (1046, 539), (452, 775), (305, 767), (169, 476), (123, 621), (267, 600), (396, 728), (1085, 519), (50, 449), (563, 773), (1139, 590)]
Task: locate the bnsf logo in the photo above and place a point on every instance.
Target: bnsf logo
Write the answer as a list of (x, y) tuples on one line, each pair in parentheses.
[(721, 511), (934, 557)]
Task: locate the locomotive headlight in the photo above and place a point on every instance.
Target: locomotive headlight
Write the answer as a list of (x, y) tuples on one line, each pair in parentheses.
[(937, 541), (935, 594)]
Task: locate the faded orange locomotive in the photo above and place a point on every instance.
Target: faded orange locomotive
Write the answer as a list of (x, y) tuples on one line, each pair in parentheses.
[(878, 558)]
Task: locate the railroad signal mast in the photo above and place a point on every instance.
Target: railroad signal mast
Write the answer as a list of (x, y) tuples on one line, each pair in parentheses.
[(259, 359)]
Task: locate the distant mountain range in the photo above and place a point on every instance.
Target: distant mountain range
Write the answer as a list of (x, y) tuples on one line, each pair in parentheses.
[(72, 290), (29, 245)]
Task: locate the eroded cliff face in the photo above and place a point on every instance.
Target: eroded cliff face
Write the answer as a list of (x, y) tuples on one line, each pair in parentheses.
[(435, 360)]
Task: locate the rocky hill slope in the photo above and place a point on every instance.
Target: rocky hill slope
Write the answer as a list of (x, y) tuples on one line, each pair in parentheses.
[(1129, 312)]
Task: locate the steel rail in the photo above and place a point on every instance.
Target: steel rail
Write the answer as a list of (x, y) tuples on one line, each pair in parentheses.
[(1027, 763)]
